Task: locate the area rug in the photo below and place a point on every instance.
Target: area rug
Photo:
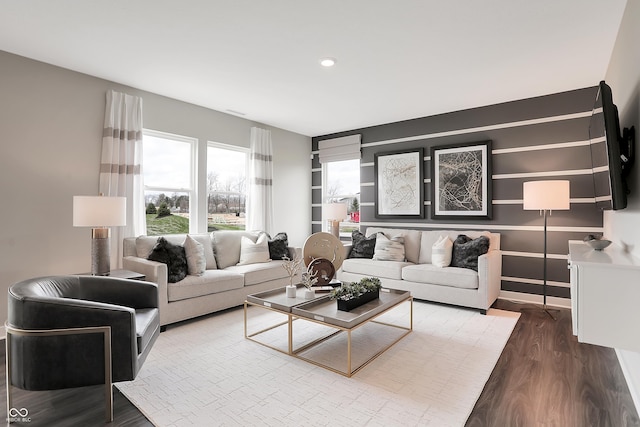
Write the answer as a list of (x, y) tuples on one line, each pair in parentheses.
[(206, 373)]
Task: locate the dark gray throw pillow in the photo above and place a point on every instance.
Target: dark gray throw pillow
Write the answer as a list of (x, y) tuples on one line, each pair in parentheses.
[(172, 255), (362, 247), (466, 251), (279, 246)]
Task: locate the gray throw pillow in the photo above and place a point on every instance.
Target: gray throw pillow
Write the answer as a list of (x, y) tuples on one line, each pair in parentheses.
[(466, 251), (362, 246)]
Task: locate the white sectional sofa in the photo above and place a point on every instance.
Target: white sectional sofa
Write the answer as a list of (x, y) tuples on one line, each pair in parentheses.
[(223, 285), (450, 285)]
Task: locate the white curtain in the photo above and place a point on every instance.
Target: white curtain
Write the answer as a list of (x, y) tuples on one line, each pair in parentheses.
[(260, 200), (120, 166)]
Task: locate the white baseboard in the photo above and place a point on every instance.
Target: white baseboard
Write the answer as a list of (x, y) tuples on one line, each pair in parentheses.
[(630, 364), (534, 299)]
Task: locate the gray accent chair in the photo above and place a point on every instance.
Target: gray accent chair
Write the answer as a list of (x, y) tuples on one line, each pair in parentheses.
[(76, 331)]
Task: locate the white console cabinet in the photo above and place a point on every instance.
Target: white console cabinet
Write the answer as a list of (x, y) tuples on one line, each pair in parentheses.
[(605, 296)]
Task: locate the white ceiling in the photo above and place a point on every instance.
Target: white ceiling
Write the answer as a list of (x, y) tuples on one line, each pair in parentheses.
[(397, 60)]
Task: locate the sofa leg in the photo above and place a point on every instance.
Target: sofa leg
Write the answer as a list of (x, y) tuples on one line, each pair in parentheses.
[(484, 312), (163, 328)]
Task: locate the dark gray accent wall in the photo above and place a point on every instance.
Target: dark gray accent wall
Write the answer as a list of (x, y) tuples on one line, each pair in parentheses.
[(539, 138)]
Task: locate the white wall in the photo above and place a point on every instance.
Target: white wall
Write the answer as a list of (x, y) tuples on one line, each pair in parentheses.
[(623, 75), (51, 123)]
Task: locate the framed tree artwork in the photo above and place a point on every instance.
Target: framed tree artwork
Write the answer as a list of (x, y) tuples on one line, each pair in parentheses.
[(399, 184), (461, 181)]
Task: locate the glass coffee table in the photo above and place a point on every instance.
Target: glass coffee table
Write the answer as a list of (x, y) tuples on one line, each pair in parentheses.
[(317, 332)]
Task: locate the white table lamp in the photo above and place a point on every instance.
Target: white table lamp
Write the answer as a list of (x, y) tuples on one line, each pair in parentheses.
[(334, 213), (100, 213)]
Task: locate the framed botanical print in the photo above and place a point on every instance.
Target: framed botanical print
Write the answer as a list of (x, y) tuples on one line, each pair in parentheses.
[(461, 181), (399, 184)]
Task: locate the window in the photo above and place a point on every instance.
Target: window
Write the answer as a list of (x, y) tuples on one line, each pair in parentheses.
[(342, 184), (227, 168), (168, 182)]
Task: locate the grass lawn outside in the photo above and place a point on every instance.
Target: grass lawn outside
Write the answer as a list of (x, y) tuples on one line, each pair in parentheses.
[(175, 224)]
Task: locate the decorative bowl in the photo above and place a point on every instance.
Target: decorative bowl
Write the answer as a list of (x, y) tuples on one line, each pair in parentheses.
[(598, 244)]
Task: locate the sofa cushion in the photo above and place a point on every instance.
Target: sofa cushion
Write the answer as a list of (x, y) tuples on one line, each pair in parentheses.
[(226, 245), (411, 240), (441, 252), (448, 276), (196, 262), (254, 252), (389, 249), (261, 272), (362, 246), (466, 251), (279, 246), (144, 245), (427, 239), (373, 268), (211, 282), (172, 255)]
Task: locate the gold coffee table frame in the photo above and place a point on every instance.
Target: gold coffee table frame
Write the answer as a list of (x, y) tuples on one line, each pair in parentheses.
[(312, 311)]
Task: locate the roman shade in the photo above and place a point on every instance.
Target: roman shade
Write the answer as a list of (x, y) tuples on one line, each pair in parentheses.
[(337, 149)]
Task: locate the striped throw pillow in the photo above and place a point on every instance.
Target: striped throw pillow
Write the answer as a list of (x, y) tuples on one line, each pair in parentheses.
[(389, 249)]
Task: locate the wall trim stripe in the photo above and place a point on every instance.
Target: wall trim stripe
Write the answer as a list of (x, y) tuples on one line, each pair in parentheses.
[(482, 128), (541, 147), (535, 281), (573, 172), (524, 298), (534, 255), (582, 200), (489, 227)]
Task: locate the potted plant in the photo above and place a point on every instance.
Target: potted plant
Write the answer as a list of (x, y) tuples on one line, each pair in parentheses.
[(352, 295)]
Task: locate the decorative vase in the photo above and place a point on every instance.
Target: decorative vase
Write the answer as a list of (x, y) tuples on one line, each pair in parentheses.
[(291, 291), (348, 305), (309, 294)]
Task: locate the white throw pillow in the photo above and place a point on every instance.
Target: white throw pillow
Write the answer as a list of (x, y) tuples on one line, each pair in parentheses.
[(389, 249), (441, 252), (196, 261), (251, 253)]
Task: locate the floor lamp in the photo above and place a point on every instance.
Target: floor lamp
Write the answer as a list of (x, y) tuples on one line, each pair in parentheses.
[(545, 196)]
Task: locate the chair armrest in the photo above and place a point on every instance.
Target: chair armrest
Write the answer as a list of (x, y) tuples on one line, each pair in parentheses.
[(61, 313), (154, 272), (125, 292)]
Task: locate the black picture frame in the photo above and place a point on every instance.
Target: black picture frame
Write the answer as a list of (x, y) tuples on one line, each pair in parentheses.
[(461, 181), (399, 184)]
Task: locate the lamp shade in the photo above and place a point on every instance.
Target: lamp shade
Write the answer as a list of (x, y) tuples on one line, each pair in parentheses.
[(546, 195), (99, 211), (335, 211)]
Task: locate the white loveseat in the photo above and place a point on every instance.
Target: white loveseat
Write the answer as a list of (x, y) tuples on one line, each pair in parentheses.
[(450, 285), (223, 285)]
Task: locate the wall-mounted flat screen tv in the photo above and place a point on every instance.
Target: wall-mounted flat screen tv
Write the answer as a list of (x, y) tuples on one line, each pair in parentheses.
[(611, 152)]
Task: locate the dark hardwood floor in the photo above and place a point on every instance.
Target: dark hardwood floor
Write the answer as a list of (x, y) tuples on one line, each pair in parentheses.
[(544, 377)]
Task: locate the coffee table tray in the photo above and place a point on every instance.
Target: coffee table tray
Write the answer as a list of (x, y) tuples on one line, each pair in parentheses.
[(277, 298), (326, 310)]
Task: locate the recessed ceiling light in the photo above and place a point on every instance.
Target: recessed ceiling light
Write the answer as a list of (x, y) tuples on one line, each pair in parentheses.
[(328, 62)]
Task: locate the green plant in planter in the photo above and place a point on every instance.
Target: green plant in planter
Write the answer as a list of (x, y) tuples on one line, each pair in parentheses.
[(355, 289)]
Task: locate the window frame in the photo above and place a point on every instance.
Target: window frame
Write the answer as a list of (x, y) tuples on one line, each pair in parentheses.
[(192, 191), (326, 197), (222, 146)]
